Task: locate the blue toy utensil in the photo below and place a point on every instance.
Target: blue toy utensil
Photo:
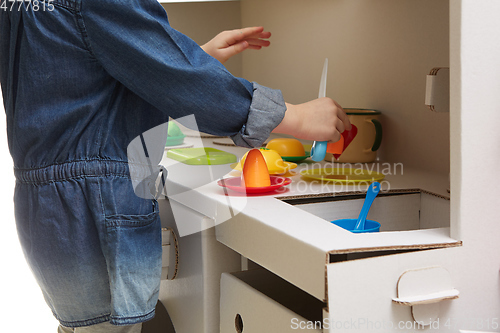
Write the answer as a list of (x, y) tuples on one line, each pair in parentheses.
[(361, 224), (371, 194)]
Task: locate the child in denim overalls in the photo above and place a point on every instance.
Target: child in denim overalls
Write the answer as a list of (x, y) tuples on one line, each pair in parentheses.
[(81, 79)]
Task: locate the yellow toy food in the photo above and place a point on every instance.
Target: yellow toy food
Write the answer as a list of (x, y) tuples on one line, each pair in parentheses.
[(286, 147)]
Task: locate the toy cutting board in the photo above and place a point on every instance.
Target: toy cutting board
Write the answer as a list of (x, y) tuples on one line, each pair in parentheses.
[(201, 156)]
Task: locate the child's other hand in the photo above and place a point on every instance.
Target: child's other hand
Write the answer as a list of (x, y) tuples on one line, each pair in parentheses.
[(229, 43), (321, 119)]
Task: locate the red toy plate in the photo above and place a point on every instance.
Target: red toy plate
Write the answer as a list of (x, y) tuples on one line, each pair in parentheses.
[(234, 184)]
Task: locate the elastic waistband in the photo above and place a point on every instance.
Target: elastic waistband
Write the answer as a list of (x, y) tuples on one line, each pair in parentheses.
[(75, 169)]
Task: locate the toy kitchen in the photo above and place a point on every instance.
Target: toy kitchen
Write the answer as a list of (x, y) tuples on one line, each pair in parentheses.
[(393, 227)]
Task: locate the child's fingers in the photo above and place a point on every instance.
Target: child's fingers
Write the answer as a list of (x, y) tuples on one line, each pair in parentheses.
[(258, 42)]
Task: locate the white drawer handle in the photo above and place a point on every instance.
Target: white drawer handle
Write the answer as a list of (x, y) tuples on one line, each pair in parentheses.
[(423, 289), (427, 299)]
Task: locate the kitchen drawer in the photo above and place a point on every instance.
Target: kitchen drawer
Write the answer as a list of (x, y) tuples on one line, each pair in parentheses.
[(296, 231), (396, 211), (372, 294), (257, 301)]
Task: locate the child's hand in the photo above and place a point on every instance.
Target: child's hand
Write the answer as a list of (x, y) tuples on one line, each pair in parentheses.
[(229, 43), (321, 119)]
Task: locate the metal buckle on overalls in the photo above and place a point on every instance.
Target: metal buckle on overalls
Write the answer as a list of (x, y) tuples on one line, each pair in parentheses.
[(162, 173)]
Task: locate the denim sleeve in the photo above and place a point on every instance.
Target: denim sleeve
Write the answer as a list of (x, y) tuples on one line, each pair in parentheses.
[(266, 112), (135, 44)]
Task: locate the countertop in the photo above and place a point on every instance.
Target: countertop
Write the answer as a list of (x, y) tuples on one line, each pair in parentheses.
[(196, 187)]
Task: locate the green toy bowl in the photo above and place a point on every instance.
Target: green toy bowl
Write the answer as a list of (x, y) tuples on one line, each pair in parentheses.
[(175, 140)]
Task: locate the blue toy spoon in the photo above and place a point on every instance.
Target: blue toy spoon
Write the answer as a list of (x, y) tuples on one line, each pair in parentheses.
[(371, 194)]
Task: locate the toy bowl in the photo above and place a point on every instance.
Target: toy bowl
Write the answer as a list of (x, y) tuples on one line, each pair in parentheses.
[(175, 136), (349, 224)]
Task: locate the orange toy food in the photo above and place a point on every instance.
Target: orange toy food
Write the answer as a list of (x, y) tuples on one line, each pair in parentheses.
[(275, 163), (287, 147), (255, 172), (336, 147)]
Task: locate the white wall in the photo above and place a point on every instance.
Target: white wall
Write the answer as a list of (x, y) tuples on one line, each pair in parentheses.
[(201, 21)]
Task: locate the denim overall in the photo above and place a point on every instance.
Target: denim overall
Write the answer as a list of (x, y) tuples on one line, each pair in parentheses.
[(80, 80)]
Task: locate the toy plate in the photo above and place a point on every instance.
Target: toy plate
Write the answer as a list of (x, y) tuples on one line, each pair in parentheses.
[(201, 156), (235, 185)]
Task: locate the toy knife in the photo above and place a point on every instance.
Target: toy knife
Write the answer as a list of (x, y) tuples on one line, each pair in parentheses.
[(318, 149)]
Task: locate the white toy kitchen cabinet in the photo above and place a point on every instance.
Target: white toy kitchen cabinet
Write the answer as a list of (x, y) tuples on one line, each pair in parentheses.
[(434, 266)]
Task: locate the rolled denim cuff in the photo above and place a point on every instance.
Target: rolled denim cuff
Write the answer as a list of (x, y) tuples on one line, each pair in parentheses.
[(266, 112)]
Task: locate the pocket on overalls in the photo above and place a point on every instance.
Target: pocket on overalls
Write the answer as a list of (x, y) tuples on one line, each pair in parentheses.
[(132, 248)]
